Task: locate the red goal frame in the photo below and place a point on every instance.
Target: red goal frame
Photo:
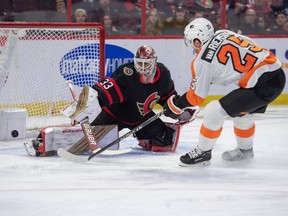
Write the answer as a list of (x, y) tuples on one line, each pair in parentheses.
[(63, 25)]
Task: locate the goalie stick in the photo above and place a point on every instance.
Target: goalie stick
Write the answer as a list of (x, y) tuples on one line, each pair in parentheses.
[(80, 159)]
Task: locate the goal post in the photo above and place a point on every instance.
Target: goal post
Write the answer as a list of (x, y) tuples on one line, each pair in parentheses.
[(36, 61)]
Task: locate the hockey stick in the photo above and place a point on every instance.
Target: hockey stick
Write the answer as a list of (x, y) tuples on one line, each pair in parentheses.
[(80, 159), (134, 130)]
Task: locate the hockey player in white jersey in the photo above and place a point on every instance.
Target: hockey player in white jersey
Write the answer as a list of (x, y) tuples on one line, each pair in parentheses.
[(224, 58)]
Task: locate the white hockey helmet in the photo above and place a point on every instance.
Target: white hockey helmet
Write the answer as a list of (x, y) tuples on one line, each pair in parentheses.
[(201, 29), (145, 61)]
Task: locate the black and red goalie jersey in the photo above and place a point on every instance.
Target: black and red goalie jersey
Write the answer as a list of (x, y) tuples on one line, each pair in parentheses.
[(126, 98)]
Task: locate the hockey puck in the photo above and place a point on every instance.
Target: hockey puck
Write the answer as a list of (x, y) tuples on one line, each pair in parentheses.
[(14, 133)]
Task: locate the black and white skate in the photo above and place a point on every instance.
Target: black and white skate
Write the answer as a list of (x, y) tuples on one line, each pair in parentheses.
[(195, 157)]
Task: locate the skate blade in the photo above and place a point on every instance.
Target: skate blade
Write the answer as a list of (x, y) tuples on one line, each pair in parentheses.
[(204, 163), (238, 159), (30, 150)]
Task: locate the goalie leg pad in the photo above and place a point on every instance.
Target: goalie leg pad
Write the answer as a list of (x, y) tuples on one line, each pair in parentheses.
[(145, 144), (69, 138), (177, 128), (167, 140), (103, 135)]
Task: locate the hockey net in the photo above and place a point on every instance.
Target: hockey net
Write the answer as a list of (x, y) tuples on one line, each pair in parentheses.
[(36, 61)]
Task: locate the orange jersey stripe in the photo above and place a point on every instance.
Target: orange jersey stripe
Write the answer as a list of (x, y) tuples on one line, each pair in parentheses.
[(192, 64), (211, 134), (191, 97), (194, 99), (269, 60), (244, 133), (192, 68)]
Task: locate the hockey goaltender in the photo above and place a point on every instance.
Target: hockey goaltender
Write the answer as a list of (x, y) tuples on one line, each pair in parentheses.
[(124, 100)]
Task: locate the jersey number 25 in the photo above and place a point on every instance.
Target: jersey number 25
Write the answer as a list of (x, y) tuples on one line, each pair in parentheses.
[(240, 65)]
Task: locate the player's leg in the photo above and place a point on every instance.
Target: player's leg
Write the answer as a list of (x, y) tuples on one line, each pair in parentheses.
[(106, 119), (244, 129), (255, 100), (239, 103), (159, 136), (156, 134), (235, 104), (214, 116)]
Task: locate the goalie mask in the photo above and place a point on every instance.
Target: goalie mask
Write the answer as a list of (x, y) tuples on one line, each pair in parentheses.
[(201, 29), (145, 61)]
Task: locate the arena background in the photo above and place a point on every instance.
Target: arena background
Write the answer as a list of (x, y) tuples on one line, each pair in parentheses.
[(177, 57)]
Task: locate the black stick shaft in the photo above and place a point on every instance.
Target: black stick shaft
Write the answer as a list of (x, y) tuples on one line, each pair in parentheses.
[(134, 130)]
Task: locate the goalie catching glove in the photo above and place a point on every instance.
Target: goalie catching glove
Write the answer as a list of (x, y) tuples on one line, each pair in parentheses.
[(87, 106), (184, 114)]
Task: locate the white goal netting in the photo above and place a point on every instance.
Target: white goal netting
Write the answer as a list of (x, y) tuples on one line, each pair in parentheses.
[(36, 61)]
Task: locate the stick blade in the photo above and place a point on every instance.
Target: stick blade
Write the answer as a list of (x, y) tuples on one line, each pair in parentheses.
[(71, 157), (115, 152), (83, 159)]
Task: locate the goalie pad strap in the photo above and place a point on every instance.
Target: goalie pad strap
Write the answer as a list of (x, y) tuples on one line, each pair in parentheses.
[(90, 138)]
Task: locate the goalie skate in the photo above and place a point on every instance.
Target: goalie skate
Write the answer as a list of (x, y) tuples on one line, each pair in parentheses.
[(35, 148), (30, 149), (238, 154)]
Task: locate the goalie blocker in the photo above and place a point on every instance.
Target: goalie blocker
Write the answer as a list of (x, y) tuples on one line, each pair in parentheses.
[(71, 139)]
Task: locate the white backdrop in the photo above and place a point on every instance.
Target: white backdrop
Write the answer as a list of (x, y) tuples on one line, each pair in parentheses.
[(172, 52)]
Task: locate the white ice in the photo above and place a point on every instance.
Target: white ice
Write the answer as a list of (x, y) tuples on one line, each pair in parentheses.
[(145, 183)]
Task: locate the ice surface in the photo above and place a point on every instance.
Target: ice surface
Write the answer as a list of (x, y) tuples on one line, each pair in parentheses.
[(145, 183)]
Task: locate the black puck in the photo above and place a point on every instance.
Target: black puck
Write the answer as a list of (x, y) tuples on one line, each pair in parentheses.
[(14, 133)]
